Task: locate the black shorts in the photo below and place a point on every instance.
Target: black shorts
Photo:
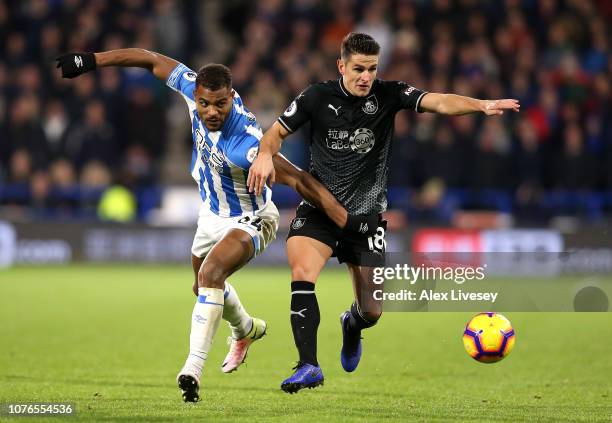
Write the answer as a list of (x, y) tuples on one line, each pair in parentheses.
[(354, 249)]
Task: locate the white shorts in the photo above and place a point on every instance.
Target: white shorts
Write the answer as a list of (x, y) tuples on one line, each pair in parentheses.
[(261, 227)]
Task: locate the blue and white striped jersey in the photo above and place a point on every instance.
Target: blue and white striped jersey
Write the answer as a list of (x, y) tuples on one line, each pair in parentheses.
[(220, 160)]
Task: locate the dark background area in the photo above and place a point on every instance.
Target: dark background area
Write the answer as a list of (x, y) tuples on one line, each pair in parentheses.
[(64, 142)]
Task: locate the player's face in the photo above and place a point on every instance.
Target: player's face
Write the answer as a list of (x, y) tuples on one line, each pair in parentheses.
[(213, 106), (358, 73)]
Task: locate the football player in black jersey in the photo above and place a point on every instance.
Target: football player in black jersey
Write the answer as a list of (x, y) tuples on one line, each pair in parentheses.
[(352, 128)]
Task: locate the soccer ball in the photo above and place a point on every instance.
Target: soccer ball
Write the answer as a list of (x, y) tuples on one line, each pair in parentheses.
[(488, 337)]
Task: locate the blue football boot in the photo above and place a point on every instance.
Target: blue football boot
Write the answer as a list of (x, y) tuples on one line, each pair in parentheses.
[(351, 345), (305, 376)]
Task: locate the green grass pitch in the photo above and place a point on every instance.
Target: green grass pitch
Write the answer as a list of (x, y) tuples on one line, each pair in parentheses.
[(111, 339)]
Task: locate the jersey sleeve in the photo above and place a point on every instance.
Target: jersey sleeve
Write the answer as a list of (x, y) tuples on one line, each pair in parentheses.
[(244, 150), (182, 80), (300, 110), (409, 97)]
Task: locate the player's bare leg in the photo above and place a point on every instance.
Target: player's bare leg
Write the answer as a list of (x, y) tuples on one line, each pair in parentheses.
[(364, 313), (196, 263), (307, 257), (363, 289), (232, 252), (245, 328)]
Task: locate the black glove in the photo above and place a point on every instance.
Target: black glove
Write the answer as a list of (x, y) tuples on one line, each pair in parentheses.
[(75, 64), (365, 225)]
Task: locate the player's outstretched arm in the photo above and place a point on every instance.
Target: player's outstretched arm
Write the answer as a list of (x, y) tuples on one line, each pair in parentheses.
[(77, 63), (262, 167), (452, 104), (315, 193)]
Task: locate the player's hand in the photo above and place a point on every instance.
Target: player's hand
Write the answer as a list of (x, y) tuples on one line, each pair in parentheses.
[(497, 107), (261, 171), (75, 64), (365, 225)]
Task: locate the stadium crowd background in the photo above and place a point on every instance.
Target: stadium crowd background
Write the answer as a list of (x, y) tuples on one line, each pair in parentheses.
[(63, 142)]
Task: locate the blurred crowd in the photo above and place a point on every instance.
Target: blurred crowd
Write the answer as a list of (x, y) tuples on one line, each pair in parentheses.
[(552, 55), (65, 141)]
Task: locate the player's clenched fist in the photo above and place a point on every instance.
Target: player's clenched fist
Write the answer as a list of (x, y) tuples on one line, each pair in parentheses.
[(259, 172), (75, 64)]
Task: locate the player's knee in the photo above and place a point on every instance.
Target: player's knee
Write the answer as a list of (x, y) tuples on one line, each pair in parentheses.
[(194, 288), (300, 272), (211, 275)]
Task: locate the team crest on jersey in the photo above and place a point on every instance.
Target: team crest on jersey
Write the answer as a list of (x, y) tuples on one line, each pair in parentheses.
[(362, 140), (371, 105), (291, 109), (298, 223)]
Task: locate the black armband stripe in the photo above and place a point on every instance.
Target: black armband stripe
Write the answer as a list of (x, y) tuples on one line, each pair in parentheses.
[(280, 120)]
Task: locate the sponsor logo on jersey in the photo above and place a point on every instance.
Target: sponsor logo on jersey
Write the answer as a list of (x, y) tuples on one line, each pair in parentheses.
[(371, 105), (216, 159), (190, 76), (291, 109), (200, 143), (298, 223), (337, 139), (362, 140)]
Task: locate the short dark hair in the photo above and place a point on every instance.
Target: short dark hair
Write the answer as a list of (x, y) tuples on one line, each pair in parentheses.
[(214, 77), (358, 43)]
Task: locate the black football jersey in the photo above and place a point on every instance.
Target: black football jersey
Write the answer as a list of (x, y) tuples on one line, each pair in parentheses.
[(350, 143)]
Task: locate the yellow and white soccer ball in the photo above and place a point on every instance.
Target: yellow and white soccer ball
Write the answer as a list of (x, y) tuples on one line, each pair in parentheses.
[(488, 337)]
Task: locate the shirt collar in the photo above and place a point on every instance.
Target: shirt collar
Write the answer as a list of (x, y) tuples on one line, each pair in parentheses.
[(344, 90)]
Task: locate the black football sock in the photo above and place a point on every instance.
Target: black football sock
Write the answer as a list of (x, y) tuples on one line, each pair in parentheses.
[(356, 321), (305, 320)]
